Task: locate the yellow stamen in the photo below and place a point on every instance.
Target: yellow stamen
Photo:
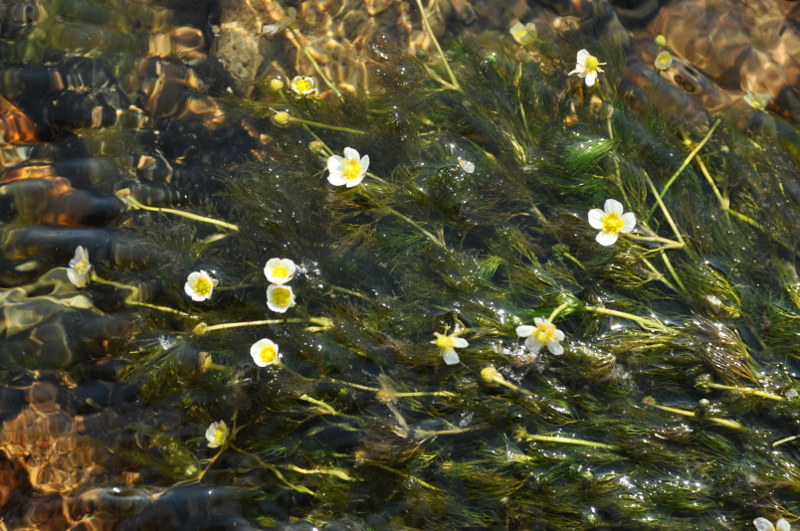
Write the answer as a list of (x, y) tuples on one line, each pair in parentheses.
[(281, 297), (612, 223), (302, 86), (202, 286), (591, 64), (268, 354), (280, 271), (442, 341), (352, 169)]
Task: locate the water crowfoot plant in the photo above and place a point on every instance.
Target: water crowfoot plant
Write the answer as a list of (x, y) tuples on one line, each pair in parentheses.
[(762, 524), (448, 343), (348, 170), (200, 285), (611, 221), (80, 268), (587, 67)]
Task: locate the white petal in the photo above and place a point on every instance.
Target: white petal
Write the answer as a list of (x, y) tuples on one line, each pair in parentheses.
[(349, 183), (581, 57), (335, 164), (460, 342), (783, 525), (555, 347), (450, 357), (539, 320), (525, 330), (364, 163), (612, 205), (762, 524), (596, 218), (558, 335), (628, 222), (336, 179), (78, 280), (533, 345), (591, 77), (350, 153), (606, 238), (578, 70)]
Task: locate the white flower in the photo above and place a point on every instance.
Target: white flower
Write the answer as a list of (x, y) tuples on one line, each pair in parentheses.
[(279, 298), (762, 524), (663, 60), (217, 434), (466, 165), (279, 270), (611, 221), (448, 345), (544, 334), (79, 268), (588, 67), (348, 171), (524, 34), (759, 100), (200, 285), (303, 85), (264, 352)]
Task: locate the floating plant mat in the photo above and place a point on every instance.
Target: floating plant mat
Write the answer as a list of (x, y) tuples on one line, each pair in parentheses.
[(529, 308)]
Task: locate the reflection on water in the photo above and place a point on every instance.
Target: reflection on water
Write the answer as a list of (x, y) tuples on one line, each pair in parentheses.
[(166, 139)]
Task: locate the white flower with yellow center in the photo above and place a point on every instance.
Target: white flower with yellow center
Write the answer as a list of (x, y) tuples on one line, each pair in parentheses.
[(217, 434), (279, 297), (448, 344), (524, 34), (200, 285), (279, 270), (588, 67), (79, 268), (348, 170), (663, 60), (264, 352), (759, 100), (466, 165), (762, 524), (543, 334), (611, 221), (303, 85)]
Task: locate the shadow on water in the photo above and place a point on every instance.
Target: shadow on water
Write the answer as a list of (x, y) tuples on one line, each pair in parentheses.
[(646, 384)]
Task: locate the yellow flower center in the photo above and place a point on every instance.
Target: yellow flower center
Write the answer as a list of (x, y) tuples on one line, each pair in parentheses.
[(544, 333), (268, 354), (281, 297), (303, 85), (352, 169), (202, 286), (219, 434), (612, 223), (591, 63), (280, 271), (81, 267), (444, 342)]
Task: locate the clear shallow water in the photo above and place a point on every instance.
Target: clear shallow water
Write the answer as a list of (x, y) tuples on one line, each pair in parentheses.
[(109, 389)]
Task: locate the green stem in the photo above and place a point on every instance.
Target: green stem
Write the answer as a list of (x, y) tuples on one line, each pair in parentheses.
[(746, 391), (203, 328), (326, 126), (567, 440), (664, 210), (643, 322), (453, 80), (133, 296), (126, 196), (686, 162), (557, 311), (314, 62), (686, 413)]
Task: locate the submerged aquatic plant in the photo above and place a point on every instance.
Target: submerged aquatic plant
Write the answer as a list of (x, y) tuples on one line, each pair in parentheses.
[(217, 434), (542, 334)]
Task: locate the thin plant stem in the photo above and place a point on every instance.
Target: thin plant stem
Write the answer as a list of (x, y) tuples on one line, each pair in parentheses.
[(326, 126), (567, 440), (746, 391), (453, 81), (658, 274), (314, 63), (685, 163), (126, 196), (557, 311), (649, 324), (203, 328), (133, 297), (664, 210), (672, 271), (686, 413)]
